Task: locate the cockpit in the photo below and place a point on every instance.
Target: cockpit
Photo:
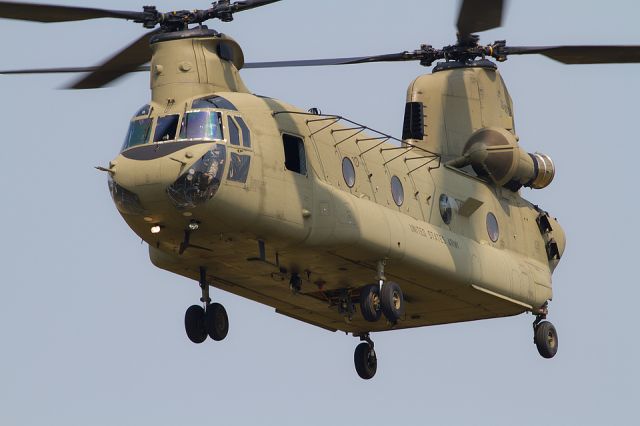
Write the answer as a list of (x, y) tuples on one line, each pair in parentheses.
[(211, 119)]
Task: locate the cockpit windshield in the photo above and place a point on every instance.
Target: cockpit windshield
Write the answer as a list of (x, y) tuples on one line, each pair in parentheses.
[(138, 133), (201, 125)]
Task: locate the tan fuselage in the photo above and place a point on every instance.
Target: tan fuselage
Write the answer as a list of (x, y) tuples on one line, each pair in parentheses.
[(333, 235)]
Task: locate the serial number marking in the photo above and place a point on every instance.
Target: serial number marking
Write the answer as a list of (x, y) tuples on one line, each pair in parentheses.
[(434, 236)]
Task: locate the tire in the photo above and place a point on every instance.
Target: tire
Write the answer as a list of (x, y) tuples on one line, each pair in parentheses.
[(370, 303), (365, 360), (546, 339), (194, 324), (392, 301), (216, 322)]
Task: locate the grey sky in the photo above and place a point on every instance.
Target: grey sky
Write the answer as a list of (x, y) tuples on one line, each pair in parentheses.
[(92, 333)]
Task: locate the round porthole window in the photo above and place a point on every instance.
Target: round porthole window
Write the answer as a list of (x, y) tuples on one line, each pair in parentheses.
[(445, 209), (492, 227), (397, 191), (348, 172)]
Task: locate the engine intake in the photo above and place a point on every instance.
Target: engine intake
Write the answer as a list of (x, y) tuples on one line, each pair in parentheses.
[(494, 153)]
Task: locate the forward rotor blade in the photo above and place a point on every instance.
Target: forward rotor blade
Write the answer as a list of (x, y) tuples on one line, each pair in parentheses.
[(127, 60), (53, 13), (479, 15), (62, 70), (574, 55), (393, 57)]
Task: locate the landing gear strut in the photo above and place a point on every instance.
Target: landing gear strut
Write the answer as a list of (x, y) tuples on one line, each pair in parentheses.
[(365, 358), (545, 335), (211, 320)]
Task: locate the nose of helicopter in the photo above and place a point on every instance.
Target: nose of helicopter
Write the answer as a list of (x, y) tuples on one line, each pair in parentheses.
[(157, 179)]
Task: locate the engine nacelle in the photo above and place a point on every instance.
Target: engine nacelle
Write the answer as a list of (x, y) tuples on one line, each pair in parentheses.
[(494, 153)]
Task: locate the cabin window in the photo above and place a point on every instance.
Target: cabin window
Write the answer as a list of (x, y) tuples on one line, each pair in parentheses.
[(234, 134), (348, 172), (201, 125), (294, 155), (138, 133), (492, 227), (213, 102), (166, 128), (445, 208), (246, 134), (397, 191), (239, 167), (413, 127)]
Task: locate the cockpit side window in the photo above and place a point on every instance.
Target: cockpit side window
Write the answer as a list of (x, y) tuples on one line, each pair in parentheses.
[(201, 125), (234, 134), (213, 102), (246, 134), (138, 133), (166, 128)]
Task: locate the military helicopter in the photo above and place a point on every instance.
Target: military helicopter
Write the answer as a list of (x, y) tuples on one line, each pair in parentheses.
[(324, 219)]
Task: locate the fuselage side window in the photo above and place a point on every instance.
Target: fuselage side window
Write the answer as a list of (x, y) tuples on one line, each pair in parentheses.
[(246, 133), (166, 128), (201, 125), (294, 155), (138, 133), (234, 134)]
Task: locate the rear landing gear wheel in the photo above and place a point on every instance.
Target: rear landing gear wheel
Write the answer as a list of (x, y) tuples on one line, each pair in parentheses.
[(194, 324), (370, 303), (365, 360), (392, 301), (546, 339), (216, 321)]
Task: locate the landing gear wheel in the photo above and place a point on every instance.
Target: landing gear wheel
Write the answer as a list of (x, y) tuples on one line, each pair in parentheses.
[(370, 303), (392, 301), (216, 322), (546, 339), (194, 324), (365, 361)]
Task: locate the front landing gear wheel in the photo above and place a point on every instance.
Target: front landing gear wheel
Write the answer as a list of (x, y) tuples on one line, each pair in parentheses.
[(370, 303), (194, 324), (365, 361), (216, 321), (392, 301), (546, 339)]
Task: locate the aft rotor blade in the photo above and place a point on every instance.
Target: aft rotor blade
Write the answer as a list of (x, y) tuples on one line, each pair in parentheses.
[(241, 5), (574, 55), (54, 13), (393, 57), (127, 60), (479, 15)]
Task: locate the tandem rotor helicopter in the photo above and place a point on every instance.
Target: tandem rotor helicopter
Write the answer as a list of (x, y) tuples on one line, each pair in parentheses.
[(326, 220)]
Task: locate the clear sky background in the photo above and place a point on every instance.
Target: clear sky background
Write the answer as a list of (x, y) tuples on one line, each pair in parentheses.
[(92, 334)]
